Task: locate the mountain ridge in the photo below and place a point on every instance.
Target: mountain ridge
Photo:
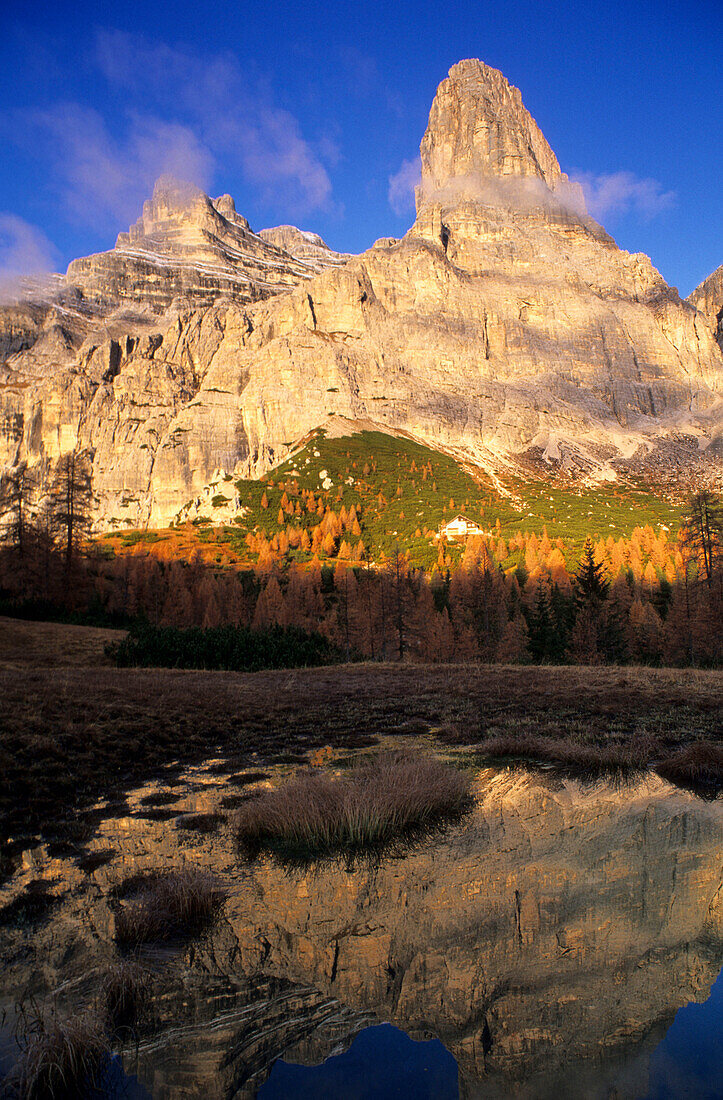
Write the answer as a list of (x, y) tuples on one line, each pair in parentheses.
[(505, 326)]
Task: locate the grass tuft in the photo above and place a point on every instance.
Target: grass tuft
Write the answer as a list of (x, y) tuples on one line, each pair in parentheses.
[(59, 1060), (317, 815), (175, 905), (699, 765), (587, 759), (125, 989)]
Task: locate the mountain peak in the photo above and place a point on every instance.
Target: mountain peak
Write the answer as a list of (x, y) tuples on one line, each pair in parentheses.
[(480, 136)]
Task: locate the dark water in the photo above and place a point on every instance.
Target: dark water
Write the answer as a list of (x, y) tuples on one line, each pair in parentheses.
[(384, 1064), (561, 942), (689, 1061), (381, 1063)]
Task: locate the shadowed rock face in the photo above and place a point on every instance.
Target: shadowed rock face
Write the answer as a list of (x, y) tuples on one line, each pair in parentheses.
[(547, 940), (505, 324), (708, 298)]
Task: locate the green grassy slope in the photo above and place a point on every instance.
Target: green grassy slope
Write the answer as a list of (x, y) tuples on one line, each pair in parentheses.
[(404, 491)]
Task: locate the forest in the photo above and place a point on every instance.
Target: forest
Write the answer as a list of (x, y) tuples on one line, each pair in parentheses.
[(654, 598)]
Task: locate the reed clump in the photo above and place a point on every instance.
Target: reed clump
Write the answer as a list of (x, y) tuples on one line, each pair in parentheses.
[(125, 990), (60, 1059), (376, 803), (582, 757), (177, 904)]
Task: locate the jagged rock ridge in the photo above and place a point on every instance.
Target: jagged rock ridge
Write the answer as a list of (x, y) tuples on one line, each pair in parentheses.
[(190, 246), (505, 323)]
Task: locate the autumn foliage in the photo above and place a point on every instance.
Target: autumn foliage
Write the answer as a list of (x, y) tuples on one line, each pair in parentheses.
[(650, 599)]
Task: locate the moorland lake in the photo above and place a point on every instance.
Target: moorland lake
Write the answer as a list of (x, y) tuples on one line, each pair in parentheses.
[(541, 946)]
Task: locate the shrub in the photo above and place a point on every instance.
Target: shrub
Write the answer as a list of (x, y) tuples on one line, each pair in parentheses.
[(374, 804), (59, 1060), (167, 906), (223, 647)]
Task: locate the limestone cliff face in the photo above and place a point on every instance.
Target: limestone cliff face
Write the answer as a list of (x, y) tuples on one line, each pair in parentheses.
[(708, 298), (186, 245), (547, 939), (479, 130), (304, 246), (506, 323)]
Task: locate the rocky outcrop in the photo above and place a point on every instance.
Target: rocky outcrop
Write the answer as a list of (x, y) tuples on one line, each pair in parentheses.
[(480, 137), (505, 325), (304, 246), (188, 246), (708, 298)]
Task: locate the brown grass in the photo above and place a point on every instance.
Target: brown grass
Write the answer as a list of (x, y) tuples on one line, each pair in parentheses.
[(60, 1059), (174, 905), (54, 645), (69, 736), (593, 759), (125, 990), (697, 765), (315, 815)]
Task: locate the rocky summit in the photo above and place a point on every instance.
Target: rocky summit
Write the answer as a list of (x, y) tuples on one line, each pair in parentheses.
[(506, 328)]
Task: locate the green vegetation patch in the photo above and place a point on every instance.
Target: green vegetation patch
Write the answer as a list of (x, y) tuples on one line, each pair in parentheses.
[(223, 647), (403, 492)]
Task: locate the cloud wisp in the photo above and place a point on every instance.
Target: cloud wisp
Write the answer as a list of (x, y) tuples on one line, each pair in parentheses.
[(234, 116), (603, 196), (184, 114), (402, 186), (619, 193), (103, 179), (25, 251)]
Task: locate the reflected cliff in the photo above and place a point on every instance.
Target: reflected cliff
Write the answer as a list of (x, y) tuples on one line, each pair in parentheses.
[(547, 941)]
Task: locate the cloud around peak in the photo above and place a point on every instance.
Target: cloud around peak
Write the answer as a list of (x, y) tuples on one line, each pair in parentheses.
[(619, 193), (25, 251), (402, 184), (181, 113)]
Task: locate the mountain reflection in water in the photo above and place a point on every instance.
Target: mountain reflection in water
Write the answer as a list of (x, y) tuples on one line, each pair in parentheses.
[(546, 941)]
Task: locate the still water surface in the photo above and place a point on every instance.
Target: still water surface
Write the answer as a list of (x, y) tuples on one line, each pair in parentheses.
[(562, 940)]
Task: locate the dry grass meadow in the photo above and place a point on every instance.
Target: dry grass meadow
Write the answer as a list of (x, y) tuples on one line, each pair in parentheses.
[(73, 729)]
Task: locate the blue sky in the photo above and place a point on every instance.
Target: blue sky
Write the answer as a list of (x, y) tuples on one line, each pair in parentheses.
[(307, 114)]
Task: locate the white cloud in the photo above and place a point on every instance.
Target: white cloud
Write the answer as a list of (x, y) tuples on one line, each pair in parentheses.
[(102, 179), (24, 251), (622, 192), (184, 114), (402, 185), (234, 118)]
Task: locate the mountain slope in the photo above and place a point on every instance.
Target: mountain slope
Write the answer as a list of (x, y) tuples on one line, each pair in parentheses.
[(506, 327)]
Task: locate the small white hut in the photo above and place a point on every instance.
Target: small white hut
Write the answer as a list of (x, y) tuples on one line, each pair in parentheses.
[(459, 529)]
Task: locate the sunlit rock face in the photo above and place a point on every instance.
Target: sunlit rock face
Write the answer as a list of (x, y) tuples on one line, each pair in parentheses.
[(708, 298), (506, 327), (547, 940), (304, 246), (186, 245)]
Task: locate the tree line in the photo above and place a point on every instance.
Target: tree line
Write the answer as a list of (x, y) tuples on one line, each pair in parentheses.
[(649, 600)]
